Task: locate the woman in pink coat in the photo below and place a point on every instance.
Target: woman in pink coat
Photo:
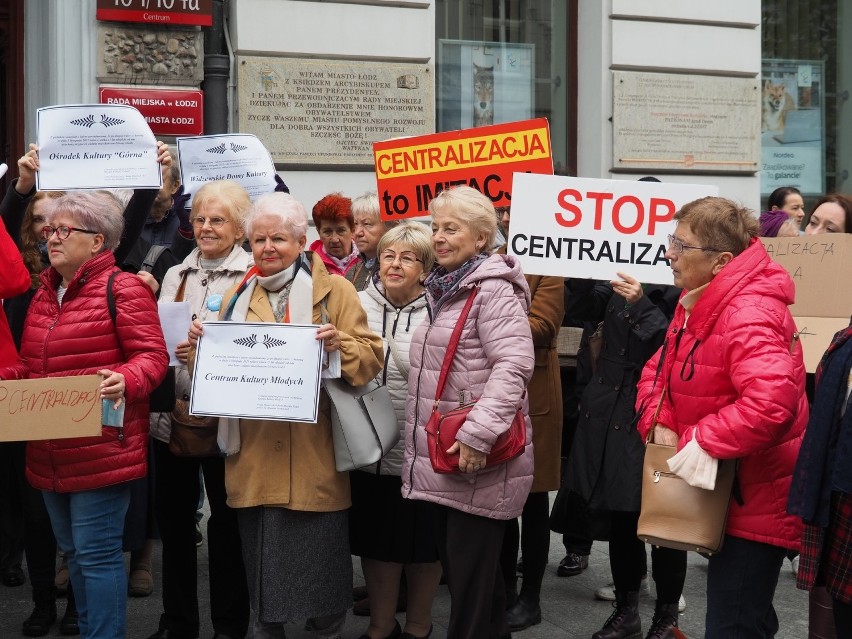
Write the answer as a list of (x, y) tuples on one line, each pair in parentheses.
[(494, 363), (734, 381)]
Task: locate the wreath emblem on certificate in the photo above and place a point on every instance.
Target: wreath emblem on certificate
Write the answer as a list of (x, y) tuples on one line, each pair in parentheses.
[(89, 121), (251, 341)]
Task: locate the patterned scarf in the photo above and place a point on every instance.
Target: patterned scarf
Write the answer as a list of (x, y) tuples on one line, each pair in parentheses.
[(343, 263), (441, 282)]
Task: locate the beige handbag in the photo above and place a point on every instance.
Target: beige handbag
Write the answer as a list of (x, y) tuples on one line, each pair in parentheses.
[(675, 514)]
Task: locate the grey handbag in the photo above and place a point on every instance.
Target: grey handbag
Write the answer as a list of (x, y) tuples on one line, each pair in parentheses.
[(363, 423)]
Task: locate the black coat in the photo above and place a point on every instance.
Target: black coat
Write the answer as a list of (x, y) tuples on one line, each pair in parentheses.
[(605, 466)]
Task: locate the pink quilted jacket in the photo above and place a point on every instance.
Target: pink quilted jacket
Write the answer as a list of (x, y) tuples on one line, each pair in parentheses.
[(494, 362)]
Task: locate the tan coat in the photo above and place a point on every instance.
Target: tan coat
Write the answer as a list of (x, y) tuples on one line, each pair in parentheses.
[(290, 464), (545, 389)]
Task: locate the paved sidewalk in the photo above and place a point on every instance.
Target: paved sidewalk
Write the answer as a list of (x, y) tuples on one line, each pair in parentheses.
[(569, 609)]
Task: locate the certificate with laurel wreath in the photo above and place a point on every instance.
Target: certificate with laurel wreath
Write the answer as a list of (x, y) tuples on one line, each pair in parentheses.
[(257, 371)]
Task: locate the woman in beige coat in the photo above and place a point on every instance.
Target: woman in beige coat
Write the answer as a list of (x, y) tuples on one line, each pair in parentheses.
[(280, 476)]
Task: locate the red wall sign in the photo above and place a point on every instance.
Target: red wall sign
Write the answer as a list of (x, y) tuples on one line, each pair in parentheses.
[(198, 12), (167, 111)]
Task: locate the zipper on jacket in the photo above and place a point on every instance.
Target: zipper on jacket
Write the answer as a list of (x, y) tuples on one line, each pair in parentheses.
[(417, 409)]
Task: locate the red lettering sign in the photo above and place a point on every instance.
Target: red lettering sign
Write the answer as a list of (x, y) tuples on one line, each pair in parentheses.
[(197, 12), (167, 111), (411, 171)]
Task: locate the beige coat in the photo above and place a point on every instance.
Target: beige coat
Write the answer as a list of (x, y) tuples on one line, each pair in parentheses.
[(290, 464)]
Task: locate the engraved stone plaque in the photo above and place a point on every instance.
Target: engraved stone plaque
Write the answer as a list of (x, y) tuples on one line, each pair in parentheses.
[(131, 54), (331, 112), (692, 123)]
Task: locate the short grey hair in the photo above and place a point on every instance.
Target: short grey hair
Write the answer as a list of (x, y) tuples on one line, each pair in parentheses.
[(413, 235), (366, 204), (474, 209), (98, 211), (283, 206)]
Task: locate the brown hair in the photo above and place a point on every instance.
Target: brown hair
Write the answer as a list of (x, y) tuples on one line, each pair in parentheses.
[(720, 224), (29, 240), (843, 202)]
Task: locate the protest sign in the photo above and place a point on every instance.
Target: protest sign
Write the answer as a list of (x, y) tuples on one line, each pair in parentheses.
[(240, 157), (591, 228), (95, 146), (410, 172), (823, 294), (50, 408)]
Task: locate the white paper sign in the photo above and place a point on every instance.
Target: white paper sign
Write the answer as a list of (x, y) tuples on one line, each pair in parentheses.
[(175, 318), (590, 228), (257, 371), (238, 157), (95, 146)]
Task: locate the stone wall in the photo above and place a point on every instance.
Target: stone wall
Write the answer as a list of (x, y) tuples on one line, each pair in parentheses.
[(146, 55)]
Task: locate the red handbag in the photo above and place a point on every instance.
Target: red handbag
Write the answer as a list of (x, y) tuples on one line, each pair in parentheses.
[(441, 429)]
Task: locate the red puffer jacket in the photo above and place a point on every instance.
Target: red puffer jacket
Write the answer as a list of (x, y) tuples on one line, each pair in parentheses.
[(80, 338), (14, 280), (736, 377)]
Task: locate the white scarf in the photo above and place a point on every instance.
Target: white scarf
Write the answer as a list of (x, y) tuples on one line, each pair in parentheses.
[(300, 308)]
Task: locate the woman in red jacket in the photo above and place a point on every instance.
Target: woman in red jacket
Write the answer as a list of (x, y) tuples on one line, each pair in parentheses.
[(731, 385), (70, 330)]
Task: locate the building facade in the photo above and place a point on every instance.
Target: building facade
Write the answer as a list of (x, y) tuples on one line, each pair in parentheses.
[(630, 87)]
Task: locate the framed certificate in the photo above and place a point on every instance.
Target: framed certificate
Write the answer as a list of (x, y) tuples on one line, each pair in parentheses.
[(258, 371)]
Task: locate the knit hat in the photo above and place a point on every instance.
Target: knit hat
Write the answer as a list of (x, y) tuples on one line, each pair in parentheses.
[(771, 222)]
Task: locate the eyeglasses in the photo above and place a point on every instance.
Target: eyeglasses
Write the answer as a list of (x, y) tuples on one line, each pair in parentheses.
[(678, 246), (62, 232), (215, 222), (407, 260)]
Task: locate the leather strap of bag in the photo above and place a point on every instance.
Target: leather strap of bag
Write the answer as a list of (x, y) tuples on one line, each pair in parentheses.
[(182, 287), (451, 347), (649, 439)]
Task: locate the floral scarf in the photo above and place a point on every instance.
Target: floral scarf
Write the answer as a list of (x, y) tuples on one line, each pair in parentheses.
[(441, 283)]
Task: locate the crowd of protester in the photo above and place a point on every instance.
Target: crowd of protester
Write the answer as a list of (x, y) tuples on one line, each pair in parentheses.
[(715, 353)]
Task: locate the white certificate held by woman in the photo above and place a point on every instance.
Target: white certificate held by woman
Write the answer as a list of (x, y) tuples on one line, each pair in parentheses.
[(95, 146), (257, 371)]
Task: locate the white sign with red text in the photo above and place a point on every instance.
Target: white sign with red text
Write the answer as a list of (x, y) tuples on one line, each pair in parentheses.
[(592, 229)]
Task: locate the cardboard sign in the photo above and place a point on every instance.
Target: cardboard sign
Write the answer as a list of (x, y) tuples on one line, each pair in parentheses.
[(167, 111), (198, 12), (820, 267), (591, 228), (50, 408), (410, 172)]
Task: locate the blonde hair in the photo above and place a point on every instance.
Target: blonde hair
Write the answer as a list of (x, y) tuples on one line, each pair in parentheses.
[(474, 209), (229, 194), (413, 235)]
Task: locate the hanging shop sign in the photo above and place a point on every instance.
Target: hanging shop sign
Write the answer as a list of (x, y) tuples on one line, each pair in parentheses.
[(197, 12), (167, 112)]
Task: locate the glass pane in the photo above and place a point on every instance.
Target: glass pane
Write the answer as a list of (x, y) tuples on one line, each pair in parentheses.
[(503, 60)]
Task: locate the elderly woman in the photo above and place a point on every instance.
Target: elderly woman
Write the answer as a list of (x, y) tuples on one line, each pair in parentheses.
[(389, 533), (729, 383), (70, 331), (334, 222), (217, 264), (368, 229), (292, 503), (494, 364)]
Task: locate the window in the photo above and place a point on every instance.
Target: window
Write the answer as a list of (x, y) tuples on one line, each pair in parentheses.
[(506, 60)]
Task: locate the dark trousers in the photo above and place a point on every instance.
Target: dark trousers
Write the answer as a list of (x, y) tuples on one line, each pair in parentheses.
[(534, 541), (177, 492), (39, 542), (628, 560), (842, 618), (11, 508), (469, 548), (741, 581)]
